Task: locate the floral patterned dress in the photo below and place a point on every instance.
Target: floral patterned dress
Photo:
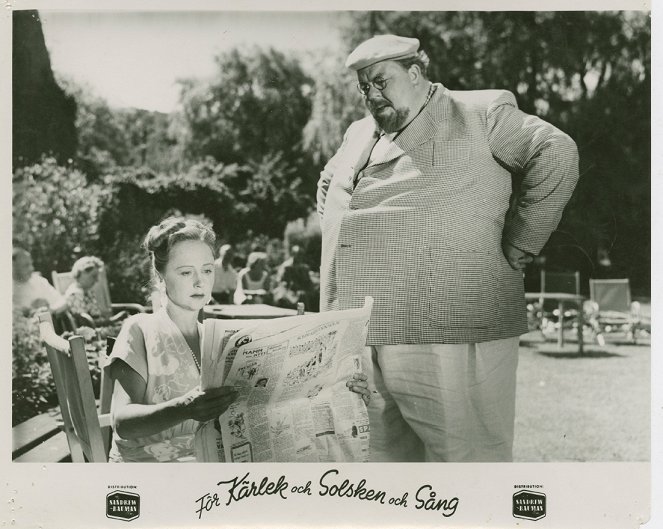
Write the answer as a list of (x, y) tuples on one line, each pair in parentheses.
[(154, 347)]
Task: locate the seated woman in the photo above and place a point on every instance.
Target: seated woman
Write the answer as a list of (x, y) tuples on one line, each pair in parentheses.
[(253, 284), (156, 358), (81, 298), (31, 292)]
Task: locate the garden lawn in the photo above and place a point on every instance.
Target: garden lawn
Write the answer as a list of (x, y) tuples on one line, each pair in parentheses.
[(593, 408)]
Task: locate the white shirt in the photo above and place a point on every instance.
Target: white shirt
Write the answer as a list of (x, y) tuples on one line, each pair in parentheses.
[(24, 295), (381, 147)]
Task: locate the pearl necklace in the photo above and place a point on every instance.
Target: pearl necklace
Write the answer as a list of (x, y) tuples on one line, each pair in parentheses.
[(195, 360), (193, 355)]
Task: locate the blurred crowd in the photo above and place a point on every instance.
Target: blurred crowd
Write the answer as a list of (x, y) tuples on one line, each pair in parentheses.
[(76, 297), (256, 281)]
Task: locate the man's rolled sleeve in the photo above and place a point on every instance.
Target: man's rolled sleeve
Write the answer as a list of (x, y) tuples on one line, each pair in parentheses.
[(547, 159)]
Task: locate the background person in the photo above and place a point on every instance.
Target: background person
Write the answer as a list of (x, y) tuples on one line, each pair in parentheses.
[(30, 291), (253, 283), (293, 281), (415, 212), (81, 297), (225, 276)]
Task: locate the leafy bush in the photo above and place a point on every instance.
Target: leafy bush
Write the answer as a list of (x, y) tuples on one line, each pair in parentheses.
[(33, 388), (54, 214)]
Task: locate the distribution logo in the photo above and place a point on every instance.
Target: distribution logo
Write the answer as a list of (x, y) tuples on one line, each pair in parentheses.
[(529, 505), (122, 505)]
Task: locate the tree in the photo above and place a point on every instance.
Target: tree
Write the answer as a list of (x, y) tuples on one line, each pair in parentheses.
[(109, 138), (256, 104), (152, 139), (252, 113), (42, 114), (102, 141), (336, 104)]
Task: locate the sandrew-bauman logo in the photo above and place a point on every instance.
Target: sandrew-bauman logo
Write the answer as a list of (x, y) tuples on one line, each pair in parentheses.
[(122, 505), (529, 505)]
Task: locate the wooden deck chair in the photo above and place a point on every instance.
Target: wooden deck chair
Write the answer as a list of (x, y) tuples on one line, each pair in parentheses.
[(612, 309), (82, 422), (62, 280), (106, 390)]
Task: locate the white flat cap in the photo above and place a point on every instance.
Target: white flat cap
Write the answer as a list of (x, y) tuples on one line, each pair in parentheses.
[(381, 48)]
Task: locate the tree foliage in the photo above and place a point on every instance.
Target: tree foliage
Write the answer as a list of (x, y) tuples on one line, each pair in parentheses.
[(54, 214), (255, 105), (336, 104), (252, 114), (110, 138)]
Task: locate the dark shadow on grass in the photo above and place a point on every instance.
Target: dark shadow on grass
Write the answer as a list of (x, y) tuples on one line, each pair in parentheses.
[(596, 353), (529, 345)]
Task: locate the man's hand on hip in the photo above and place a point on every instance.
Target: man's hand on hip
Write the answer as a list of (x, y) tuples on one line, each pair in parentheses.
[(517, 258)]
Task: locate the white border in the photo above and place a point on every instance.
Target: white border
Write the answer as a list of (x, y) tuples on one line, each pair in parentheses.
[(582, 495)]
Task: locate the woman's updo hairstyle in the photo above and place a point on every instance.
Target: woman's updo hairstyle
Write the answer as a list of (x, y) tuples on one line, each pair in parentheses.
[(162, 237)]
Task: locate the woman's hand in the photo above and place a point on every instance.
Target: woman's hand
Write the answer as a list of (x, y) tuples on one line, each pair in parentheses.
[(204, 406), (358, 383)]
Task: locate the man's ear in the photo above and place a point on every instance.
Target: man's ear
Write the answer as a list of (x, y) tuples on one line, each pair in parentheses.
[(415, 74)]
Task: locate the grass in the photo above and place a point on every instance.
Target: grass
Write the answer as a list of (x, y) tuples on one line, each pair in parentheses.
[(592, 408)]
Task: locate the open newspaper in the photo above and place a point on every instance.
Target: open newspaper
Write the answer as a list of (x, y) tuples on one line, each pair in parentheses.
[(291, 375)]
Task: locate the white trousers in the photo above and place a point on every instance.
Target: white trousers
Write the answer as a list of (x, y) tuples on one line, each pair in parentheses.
[(442, 402)]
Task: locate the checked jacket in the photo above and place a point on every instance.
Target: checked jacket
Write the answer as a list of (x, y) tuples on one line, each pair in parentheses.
[(420, 228)]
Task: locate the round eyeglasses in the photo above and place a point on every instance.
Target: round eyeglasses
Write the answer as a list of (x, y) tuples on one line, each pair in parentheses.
[(379, 84)]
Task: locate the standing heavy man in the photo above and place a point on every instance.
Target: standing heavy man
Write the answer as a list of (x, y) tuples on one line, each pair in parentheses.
[(415, 212)]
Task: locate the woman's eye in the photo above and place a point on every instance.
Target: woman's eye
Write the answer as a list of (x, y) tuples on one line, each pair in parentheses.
[(209, 271), (186, 273)]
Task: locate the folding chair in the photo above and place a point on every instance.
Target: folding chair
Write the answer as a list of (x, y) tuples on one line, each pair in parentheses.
[(62, 280), (82, 422), (564, 282), (610, 308)]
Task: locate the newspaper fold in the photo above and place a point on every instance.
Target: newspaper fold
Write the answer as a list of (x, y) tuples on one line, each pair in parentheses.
[(291, 375)]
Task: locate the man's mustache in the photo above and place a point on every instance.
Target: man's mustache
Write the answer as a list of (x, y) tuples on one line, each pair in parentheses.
[(376, 104)]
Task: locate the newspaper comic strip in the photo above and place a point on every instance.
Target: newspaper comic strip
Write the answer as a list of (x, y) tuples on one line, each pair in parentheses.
[(293, 402)]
